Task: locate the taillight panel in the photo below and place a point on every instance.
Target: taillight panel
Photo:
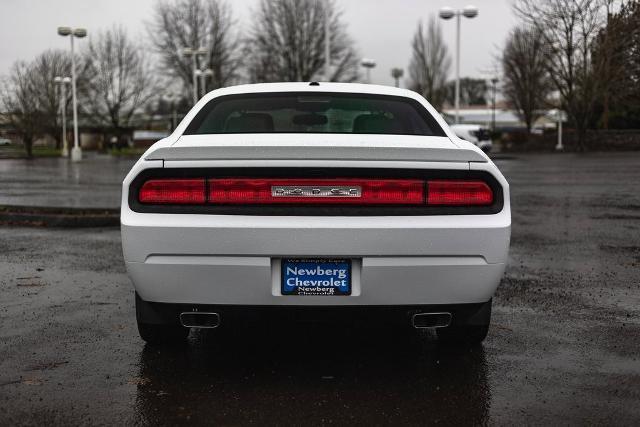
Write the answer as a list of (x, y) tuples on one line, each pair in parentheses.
[(180, 191), (309, 191), (459, 193), (291, 191)]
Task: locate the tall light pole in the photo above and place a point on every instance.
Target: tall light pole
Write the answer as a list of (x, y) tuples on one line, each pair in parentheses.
[(76, 152), (327, 43), (448, 13), (397, 74), (194, 53), (63, 82), (204, 74), (368, 64), (494, 83), (171, 98)]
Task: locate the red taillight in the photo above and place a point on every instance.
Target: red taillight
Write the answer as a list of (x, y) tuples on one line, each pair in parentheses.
[(173, 191), (459, 193), (316, 191), (313, 191)]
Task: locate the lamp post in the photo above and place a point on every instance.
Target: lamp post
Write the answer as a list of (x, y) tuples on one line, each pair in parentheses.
[(174, 119), (76, 152), (194, 53), (397, 74), (494, 82), (327, 43), (368, 64), (63, 82), (448, 13), (204, 74)]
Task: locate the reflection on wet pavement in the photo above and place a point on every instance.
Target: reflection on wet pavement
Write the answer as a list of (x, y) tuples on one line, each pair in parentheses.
[(277, 373)]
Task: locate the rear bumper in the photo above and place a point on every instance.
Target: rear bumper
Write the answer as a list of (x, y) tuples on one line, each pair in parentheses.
[(235, 260), (256, 281)]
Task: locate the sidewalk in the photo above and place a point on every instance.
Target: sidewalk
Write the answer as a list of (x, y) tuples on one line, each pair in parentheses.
[(95, 182)]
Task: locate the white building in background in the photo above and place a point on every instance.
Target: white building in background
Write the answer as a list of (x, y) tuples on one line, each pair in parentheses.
[(506, 119)]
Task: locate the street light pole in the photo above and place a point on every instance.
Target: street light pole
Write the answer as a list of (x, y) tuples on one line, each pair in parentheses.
[(194, 53), (76, 152), (368, 64), (63, 82), (397, 74), (327, 41), (494, 82), (448, 13), (204, 74)]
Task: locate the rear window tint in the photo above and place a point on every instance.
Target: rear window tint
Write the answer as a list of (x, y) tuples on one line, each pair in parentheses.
[(307, 112)]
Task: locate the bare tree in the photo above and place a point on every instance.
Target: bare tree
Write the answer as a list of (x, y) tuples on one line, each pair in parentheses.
[(31, 98), (44, 69), (569, 27), (430, 63), (196, 24), (20, 104), (118, 79), (288, 42), (472, 91), (617, 51), (526, 83)]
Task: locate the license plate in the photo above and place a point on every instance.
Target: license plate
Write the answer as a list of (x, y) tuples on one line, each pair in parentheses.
[(330, 277)]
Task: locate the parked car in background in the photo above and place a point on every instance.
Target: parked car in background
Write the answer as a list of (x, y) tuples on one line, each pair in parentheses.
[(476, 134), (5, 141), (340, 202)]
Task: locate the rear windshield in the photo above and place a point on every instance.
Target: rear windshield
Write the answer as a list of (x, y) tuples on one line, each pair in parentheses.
[(314, 113)]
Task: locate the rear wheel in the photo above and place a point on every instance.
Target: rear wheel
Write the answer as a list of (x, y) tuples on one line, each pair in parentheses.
[(163, 334), (465, 335), (153, 328), (469, 330)]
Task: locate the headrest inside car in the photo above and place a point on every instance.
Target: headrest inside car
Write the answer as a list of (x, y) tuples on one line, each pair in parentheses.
[(250, 122), (376, 123)]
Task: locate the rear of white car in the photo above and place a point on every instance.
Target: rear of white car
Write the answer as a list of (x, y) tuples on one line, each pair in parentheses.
[(326, 199)]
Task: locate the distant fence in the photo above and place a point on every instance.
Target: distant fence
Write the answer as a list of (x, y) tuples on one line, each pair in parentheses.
[(596, 140)]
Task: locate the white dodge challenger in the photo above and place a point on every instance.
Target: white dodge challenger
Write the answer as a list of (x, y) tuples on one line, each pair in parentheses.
[(322, 200)]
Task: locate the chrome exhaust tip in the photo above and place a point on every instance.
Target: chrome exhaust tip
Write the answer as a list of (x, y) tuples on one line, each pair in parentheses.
[(199, 319), (431, 320)]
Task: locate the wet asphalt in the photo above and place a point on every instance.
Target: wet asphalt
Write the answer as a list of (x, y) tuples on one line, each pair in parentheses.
[(56, 182), (563, 346)]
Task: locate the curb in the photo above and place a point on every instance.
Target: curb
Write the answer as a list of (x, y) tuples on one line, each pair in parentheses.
[(39, 216)]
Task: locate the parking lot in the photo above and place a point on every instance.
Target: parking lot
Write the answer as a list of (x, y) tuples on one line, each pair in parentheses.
[(563, 345)]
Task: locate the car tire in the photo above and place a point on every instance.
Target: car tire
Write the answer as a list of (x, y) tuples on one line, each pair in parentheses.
[(154, 328), (163, 334), (462, 335), (468, 328)]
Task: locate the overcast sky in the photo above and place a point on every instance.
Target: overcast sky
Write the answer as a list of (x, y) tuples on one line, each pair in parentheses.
[(382, 29)]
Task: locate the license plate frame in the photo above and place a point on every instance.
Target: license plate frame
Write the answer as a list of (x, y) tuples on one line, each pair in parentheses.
[(338, 282)]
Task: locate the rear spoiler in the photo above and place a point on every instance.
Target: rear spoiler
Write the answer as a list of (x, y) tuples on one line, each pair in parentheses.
[(425, 149)]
